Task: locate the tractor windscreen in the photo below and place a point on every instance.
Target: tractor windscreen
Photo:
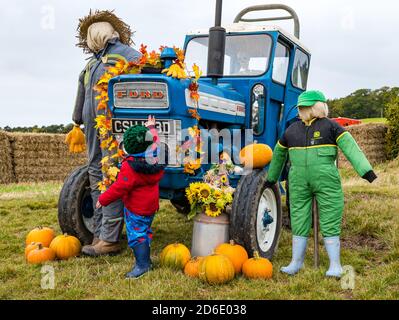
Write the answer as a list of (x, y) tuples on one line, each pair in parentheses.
[(246, 55)]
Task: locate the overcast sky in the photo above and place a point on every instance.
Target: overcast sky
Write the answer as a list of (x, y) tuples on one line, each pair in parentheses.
[(353, 43)]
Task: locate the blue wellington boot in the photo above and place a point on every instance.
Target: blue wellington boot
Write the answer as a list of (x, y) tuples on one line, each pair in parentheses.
[(143, 261), (333, 247), (298, 255)]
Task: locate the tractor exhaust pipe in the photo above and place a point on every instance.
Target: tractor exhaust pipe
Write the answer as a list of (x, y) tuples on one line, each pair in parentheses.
[(216, 46)]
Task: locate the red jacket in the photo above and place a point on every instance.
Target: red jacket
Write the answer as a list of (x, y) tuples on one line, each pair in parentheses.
[(139, 191), (137, 184)]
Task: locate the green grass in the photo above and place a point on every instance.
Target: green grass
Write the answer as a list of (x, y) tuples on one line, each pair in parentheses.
[(374, 120), (370, 245)]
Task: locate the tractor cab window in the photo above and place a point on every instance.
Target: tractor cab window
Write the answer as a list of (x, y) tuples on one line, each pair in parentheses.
[(300, 71), (246, 55), (281, 63)]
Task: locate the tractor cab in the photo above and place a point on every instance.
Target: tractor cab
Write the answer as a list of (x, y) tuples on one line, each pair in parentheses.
[(253, 74), (265, 66)]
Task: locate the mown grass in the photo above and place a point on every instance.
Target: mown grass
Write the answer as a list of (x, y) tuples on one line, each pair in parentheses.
[(370, 246), (374, 120)]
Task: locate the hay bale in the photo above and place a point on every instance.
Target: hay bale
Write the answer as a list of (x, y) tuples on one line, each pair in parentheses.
[(43, 157), (371, 139), (6, 167)]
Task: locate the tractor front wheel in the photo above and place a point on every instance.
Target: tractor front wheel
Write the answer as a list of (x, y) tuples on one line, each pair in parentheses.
[(256, 216), (75, 206)]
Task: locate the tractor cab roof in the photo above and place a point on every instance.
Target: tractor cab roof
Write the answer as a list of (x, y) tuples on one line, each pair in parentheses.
[(244, 27)]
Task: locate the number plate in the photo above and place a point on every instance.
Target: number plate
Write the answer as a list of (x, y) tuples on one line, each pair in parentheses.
[(165, 127)]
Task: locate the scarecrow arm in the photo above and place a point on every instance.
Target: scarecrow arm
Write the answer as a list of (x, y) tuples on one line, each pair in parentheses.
[(80, 98), (123, 184), (278, 161), (356, 156)]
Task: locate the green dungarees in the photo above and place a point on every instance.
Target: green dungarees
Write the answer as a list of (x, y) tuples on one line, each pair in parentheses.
[(312, 151)]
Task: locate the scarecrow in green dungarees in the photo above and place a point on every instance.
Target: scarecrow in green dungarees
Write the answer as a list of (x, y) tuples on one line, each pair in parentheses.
[(312, 147)]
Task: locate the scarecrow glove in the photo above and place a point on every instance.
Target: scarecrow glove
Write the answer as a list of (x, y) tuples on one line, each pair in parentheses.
[(370, 176)]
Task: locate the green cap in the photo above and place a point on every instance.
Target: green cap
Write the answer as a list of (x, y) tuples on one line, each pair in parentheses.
[(134, 140), (309, 98)]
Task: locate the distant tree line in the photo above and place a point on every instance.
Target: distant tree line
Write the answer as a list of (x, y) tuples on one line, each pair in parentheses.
[(55, 128), (363, 103)]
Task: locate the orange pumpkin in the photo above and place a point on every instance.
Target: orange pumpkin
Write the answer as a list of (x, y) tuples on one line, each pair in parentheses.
[(192, 267), (258, 268), (43, 235), (175, 256), (256, 156), (66, 246), (216, 269), (40, 255), (31, 247), (236, 253)]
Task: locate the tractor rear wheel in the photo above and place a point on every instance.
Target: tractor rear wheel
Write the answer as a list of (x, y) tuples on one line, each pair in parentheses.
[(75, 206), (256, 216)]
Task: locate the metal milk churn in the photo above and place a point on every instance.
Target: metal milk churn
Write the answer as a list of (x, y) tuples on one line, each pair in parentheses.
[(208, 233)]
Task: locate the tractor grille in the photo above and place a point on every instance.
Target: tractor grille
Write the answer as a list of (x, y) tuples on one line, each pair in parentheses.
[(142, 95)]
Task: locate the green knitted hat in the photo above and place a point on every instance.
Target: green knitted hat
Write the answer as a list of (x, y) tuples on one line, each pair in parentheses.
[(137, 139), (309, 98)]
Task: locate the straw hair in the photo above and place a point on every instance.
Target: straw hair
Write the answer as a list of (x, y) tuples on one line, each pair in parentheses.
[(123, 29), (318, 111)]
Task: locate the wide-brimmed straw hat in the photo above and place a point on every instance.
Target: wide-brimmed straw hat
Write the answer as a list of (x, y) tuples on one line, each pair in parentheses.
[(125, 33)]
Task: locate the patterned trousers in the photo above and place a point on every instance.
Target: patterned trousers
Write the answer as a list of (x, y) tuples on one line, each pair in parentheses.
[(138, 228)]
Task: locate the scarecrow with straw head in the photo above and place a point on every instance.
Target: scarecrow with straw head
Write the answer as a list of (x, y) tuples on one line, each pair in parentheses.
[(107, 38)]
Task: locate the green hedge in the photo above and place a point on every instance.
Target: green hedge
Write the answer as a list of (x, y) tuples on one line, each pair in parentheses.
[(392, 114)]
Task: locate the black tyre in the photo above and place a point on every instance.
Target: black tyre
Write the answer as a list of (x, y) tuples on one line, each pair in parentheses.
[(181, 205), (251, 200), (75, 206)]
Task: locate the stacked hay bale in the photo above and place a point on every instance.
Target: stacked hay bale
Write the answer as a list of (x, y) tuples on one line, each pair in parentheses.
[(6, 167), (371, 139), (43, 157)]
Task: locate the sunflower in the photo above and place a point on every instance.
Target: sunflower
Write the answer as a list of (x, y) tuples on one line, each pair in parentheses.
[(204, 192), (190, 196), (218, 194), (224, 179), (213, 211), (195, 187)]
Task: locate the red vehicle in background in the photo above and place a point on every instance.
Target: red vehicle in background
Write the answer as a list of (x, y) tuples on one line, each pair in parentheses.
[(346, 122)]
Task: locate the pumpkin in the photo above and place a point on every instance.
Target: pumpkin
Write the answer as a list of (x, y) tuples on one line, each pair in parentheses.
[(40, 255), (216, 269), (66, 246), (192, 267), (257, 268), (256, 156), (236, 253), (175, 256), (31, 247), (43, 235)]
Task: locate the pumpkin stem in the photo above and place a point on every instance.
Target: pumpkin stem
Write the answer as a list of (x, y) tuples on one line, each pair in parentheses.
[(256, 255), (232, 242), (39, 246), (65, 234)]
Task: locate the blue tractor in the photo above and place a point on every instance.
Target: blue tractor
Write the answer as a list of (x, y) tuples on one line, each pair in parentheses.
[(255, 73)]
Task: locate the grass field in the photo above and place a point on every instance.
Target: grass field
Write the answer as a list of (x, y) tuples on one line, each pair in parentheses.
[(374, 120), (370, 246)]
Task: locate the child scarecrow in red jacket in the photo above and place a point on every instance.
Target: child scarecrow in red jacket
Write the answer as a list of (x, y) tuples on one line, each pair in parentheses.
[(137, 185)]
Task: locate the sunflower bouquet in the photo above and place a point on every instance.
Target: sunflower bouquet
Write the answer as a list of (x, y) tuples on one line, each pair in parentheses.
[(213, 195), (212, 200)]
